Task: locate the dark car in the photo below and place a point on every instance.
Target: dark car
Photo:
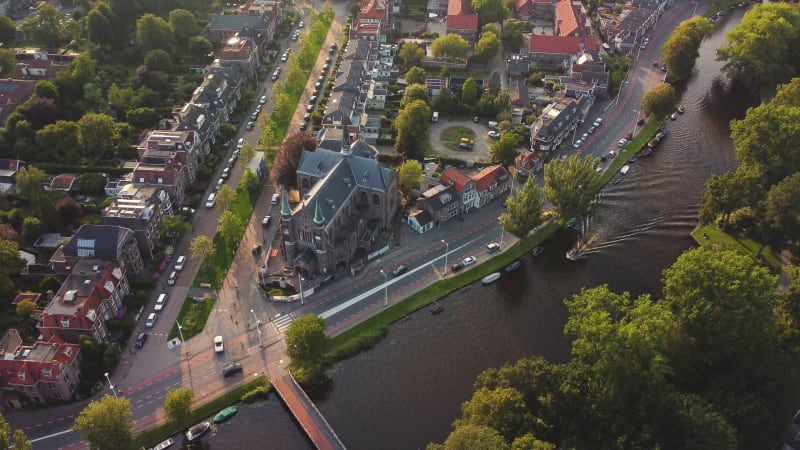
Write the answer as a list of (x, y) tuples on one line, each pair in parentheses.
[(640, 122), (140, 340), (399, 270), (257, 249), (456, 267), (231, 369), (629, 136)]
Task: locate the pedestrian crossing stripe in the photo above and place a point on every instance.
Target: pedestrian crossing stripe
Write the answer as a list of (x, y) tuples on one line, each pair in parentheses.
[(282, 323)]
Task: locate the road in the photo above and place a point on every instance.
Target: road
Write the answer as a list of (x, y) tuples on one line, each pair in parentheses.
[(144, 376)]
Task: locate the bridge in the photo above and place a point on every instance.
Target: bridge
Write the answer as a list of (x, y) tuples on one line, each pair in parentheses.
[(308, 416)]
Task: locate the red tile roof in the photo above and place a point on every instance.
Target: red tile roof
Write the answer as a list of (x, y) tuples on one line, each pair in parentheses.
[(463, 22), (487, 176), (454, 177), (566, 22), (562, 44), (459, 7), (63, 182)]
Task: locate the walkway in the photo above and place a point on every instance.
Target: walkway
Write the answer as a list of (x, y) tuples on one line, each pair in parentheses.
[(303, 409)]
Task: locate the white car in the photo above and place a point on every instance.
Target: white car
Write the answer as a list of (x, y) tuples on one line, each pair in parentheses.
[(469, 260), (240, 143), (577, 143), (585, 136), (262, 100), (598, 122), (622, 142), (275, 198), (494, 134), (180, 262), (173, 276), (151, 320), (161, 301), (218, 346)]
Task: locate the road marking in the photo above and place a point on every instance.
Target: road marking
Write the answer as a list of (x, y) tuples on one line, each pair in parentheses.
[(53, 435)]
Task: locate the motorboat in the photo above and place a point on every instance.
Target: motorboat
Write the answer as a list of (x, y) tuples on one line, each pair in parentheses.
[(681, 109), (491, 278), (166, 443), (537, 251), (633, 159), (673, 116), (571, 223), (662, 134), (225, 414), (653, 142), (575, 254), (646, 151), (625, 169), (197, 431), (512, 267), (436, 308)]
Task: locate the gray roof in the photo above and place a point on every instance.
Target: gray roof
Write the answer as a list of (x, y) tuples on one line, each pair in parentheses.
[(341, 105), (97, 241), (358, 49), (364, 150), (439, 198), (234, 23), (518, 91), (348, 77), (331, 139)]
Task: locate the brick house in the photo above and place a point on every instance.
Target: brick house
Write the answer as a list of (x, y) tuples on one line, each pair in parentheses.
[(370, 21), (556, 122), (142, 210), (558, 50), (223, 27), (479, 188), (442, 202), (241, 53), (461, 20), (106, 242)]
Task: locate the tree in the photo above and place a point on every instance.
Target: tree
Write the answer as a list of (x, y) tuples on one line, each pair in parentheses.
[(413, 126), (495, 84), (473, 437), (415, 75), (512, 34), (97, 133), (306, 340), (21, 442), (450, 46), (60, 139), (8, 31), (39, 112), (230, 226), (30, 183), (529, 442), (106, 423), (100, 29), (158, 59), (782, 207), (174, 227), (409, 175), (660, 101), (225, 196), (184, 24), (487, 46), (570, 185), (32, 228), (7, 232), (490, 11), (284, 169), (413, 93), (142, 118), (411, 55), (45, 88), (45, 26), (443, 101), (199, 46), (728, 192), (152, 32), (119, 98), (246, 154), (69, 210), (26, 307), (178, 404), (504, 150), (501, 409), (762, 45), (7, 62), (250, 183), (682, 47), (267, 138), (469, 92), (203, 248), (523, 210)]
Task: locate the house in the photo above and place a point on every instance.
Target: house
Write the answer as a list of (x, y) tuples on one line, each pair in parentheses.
[(333, 139), (529, 162), (518, 91), (376, 95), (556, 122), (14, 92), (104, 242), (419, 220), (517, 66), (346, 201), (587, 76), (241, 53), (47, 370), (534, 9), (160, 145), (461, 20), (558, 50), (345, 96), (625, 29), (89, 296), (442, 202), (363, 149), (8, 172), (162, 170), (142, 210), (371, 20), (369, 127), (477, 189), (569, 19), (64, 182), (223, 27)]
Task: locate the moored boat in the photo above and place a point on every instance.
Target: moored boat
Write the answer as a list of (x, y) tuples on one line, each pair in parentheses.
[(625, 169), (225, 414), (491, 278), (513, 266), (681, 109), (653, 142), (436, 308), (166, 443), (673, 116), (575, 254), (646, 151), (196, 431), (537, 251), (571, 223)]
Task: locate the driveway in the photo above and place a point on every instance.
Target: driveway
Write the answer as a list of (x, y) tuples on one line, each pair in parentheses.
[(479, 152)]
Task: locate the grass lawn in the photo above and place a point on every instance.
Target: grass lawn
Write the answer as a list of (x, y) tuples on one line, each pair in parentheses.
[(192, 318), (451, 136), (737, 241), (214, 272)]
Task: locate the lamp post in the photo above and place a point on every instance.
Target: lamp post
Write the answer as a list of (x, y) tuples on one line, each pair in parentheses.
[(636, 123), (446, 252), (180, 330), (188, 364), (385, 288), (502, 232), (111, 386), (258, 328), (300, 285)]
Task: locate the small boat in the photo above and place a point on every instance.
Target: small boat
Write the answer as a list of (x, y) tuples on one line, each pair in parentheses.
[(662, 134), (491, 278), (166, 443), (673, 116), (513, 266), (537, 251), (196, 431), (625, 169), (653, 142), (436, 308), (633, 159), (646, 151), (575, 254), (571, 223), (681, 109), (225, 414)]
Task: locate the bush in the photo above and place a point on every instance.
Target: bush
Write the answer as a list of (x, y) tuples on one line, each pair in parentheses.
[(255, 394), (141, 283)]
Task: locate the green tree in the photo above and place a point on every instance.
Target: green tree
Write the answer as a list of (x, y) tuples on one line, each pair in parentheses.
[(5, 430), (99, 28), (30, 183), (203, 248), (45, 88), (97, 133), (495, 84), (142, 118), (295, 78), (8, 31), (184, 25), (788, 94), (26, 307), (570, 185), (763, 44), (660, 101), (178, 404), (512, 35), (529, 442), (246, 154), (782, 207), (106, 423), (443, 101), (152, 32), (469, 92), (250, 183), (158, 60), (60, 140), (305, 340), (411, 55), (32, 228), (267, 138), (487, 46), (8, 62), (490, 11), (230, 226), (225, 196), (728, 192), (523, 209), (413, 93), (682, 47), (21, 442), (472, 437), (413, 126), (504, 150), (415, 75), (174, 227), (450, 46), (45, 26), (409, 175), (502, 409), (119, 98), (199, 46)]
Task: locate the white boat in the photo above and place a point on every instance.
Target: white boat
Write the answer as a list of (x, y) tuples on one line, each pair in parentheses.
[(491, 278), (681, 109), (164, 444), (625, 169), (196, 431), (575, 254), (673, 116), (537, 251), (513, 266)]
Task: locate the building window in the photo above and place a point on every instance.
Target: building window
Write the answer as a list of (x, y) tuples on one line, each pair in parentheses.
[(376, 200), (48, 372), (363, 197), (65, 322), (305, 184)]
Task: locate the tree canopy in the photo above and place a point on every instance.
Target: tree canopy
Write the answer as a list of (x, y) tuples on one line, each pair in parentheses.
[(409, 175), (106, 423), (660, 101), (570, 185), (306, 340), (411, 55), (178, 403), (523, 209), (203, 248), (413, 125), (504, 150), (415, 92), (490, 11), (682, 47), (284, 169), (450, 46)]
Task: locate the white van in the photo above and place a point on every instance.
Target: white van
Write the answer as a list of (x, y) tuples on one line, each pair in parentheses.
[(492, 125), (160, 302), (435, 117), (212, 200), (180, 262)]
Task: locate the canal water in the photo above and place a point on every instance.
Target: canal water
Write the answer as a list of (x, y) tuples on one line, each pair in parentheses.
[(407, 390)]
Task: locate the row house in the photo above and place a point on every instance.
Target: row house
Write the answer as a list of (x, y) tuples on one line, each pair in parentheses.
[(370, 127), (162, 170), (104, 242), (241, 53), (559, 50), (142, 210), (371, 21), (461, 20), (534, 9), (376, 95), (347, 96), (266, 9), (223, 27), (624, 30), (529, 162), (587, 76), (89, 296), (435, 206), (556, 122), (479, 188), (47, 370)]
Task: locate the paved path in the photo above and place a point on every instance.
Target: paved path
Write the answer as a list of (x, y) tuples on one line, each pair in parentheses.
[(479, 152)]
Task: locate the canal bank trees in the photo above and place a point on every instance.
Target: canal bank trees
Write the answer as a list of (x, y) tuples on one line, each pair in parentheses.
[(523, 209), (106, 423), (660, 101), (305, 344), (571, 185), (683, 46)]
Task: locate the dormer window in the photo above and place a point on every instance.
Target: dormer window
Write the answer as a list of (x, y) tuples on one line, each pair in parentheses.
[(48, 372), (21, 376), (65, 322)]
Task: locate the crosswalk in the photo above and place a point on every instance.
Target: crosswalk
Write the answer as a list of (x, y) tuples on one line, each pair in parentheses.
[(282, 323)]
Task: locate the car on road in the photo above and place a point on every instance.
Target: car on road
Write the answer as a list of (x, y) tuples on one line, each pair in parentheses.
[(254, 116), (262, 100), (332, 48), (173, 277), (577, 143), (211, 200), (312, 100), (399, 270), (584, 136), (276, 74), (218, 346), (310, 108), (226, 172), (492, 247), (187, 211), (598, 122), (151, 320), (259, 108), (328, 60), (265, 221), (250, 125), (295, 35), (231, 369), (663, 67), (622, 142), (275, 198), (456, 267), (494, 134), (324, 70), (180, 262), (140, 340), (284, 57), (468, 261), (306, 117), (591, 130), (303, 126), (240, 143), (161, 301), (257, 249), (301, 24)]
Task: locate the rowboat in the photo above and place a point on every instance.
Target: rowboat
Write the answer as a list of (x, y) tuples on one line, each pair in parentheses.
[(537, 251), (575, 254), (436, 308), (512, 267), (225, 414), (491, 278), (625, 169), (196, 431)]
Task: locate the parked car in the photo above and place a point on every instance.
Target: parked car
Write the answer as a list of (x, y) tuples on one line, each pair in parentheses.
[(151, 320), (276, 74), (399, 270), (218, 346), (598, 122), (577, 143), (231, 369), (263, 99), (211, 200), (180, 262), (622, 143), (310, 108), (456, 267), (231, 162), (140, 340), (584, 136), (629, 135), (250, 125), (591, 130), (226, 172), (306, 117), (301, 24), (304, 126), (257, 249), (240, 143), (275, 198), (161, 301), (494, 134), (468, 261), (265, 221), (492, 247), (173, 277), (254, 116)]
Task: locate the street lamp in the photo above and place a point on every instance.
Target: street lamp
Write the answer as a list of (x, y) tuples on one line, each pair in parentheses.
[(446, 252), (636, 123), (111, 386), (300, 284), (258, 328), (385, 288), (180, 330)]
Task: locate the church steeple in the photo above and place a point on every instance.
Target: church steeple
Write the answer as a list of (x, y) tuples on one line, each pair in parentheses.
[(318, 217)]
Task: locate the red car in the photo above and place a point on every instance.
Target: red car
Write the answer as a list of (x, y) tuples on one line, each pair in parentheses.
[(655, 63)]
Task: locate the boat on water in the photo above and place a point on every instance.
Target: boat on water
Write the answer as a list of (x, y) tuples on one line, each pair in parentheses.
[(571, 223), (681, 109), (512, 267), (653, 142), (625, 169), (166, 443), (436, 308), (537, 251), (196, 431), (225, 414), (633, 159), (491, 278), (646, 151), (673, 116), (575, 254)]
